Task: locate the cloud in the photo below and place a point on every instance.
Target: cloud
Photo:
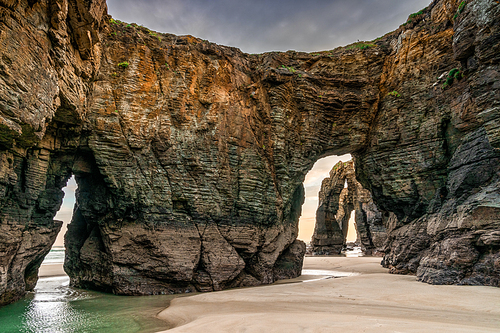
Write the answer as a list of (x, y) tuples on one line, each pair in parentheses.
[(258, 26)]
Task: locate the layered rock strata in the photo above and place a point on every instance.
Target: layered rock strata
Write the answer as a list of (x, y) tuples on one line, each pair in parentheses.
[(340, 196), (190, 156), (433, 159)]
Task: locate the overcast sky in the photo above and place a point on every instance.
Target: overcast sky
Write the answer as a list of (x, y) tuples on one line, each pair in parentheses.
[(258, 26)]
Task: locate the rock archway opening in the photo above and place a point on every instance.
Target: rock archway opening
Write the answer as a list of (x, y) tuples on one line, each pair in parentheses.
[(53, 260), (312, 187), (352, 233), (65, 213), (338, 213)]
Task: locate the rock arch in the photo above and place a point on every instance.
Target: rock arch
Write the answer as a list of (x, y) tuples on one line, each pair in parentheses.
[(336, 202), (194, 154)]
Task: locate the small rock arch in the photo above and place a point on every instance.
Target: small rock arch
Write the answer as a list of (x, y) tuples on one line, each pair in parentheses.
[(336, 202)]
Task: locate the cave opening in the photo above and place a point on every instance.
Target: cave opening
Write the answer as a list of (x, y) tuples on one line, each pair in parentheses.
[(65, 213), (312, 211), (53, 261), (339, 215), (352, 232)]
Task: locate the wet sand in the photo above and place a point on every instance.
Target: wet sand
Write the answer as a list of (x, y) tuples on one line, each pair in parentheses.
[(373, 301), (51, 270)]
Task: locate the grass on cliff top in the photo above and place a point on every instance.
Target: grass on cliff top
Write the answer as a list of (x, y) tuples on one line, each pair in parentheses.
[(143, 33), (414, 16), (353, 46), (420, 12), (360, 46), (137, 29)]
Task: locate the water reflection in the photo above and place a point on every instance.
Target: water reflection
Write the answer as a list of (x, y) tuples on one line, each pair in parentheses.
[(51, 309), (57, 308), (353, 252), (54, 317), (310, 275)]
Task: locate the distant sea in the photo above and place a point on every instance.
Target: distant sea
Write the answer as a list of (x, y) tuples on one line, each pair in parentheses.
[(55, 256)]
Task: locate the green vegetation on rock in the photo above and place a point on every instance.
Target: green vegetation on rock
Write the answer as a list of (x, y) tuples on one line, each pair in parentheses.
[(455, 73), (290, 69), (124, 64), (460, 9), (360, 46)]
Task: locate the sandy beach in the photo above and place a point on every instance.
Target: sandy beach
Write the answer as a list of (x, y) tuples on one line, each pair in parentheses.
[(51, 270), (373, 301)]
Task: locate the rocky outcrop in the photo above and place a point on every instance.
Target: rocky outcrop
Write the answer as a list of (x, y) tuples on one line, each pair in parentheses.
[(339, 197), (47, 61), (190, 156), (432, 162), (369, 222), (328, 236)]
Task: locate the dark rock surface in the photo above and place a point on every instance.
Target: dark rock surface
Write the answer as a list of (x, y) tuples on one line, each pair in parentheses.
[(190, 156), (433, 161), (340, 196)]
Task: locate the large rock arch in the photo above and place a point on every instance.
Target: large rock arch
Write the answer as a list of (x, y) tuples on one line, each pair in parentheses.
[(190, 156)]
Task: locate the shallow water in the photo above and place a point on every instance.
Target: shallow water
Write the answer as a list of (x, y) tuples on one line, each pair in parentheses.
[(310, 275), (355, 252), (54, 307), (55, 256), (57, 308)]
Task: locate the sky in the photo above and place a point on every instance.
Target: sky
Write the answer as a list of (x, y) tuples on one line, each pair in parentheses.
[(66, 211), (259, 26)]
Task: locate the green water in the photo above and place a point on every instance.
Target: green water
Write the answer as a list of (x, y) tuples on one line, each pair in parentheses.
[(54, 307)]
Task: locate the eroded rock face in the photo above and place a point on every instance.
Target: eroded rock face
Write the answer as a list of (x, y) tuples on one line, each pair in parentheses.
[(328, 236), (190, 156), (341, 195), (44, 82), (433, 160)]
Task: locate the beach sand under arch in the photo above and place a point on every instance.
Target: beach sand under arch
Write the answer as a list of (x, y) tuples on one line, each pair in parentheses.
[(371, 301)]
